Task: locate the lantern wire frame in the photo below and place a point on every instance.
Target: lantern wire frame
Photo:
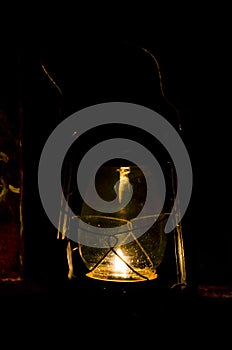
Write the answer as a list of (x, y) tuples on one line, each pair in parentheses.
[(64, 219)]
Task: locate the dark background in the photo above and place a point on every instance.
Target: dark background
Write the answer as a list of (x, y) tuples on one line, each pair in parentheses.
[(193, 80), (195, 70)]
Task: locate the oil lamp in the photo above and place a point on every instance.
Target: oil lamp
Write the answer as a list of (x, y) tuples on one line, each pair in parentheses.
[(129, 243), (138, 249), (127, 262)]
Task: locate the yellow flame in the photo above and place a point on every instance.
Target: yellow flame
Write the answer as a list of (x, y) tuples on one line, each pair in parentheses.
[(119, 265)]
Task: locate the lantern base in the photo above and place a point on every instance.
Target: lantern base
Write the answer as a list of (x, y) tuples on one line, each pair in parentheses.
[(131, 276)]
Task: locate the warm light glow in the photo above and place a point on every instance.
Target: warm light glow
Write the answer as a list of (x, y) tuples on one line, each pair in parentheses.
[(120, 268)]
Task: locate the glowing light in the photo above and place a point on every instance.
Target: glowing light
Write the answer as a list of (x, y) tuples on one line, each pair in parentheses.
[(120, 267)]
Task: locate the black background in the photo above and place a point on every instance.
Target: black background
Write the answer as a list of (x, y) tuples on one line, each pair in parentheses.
[(96, 71), (195, 68)]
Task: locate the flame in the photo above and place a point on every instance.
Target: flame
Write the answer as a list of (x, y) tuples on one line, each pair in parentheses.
[(120, 266)]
